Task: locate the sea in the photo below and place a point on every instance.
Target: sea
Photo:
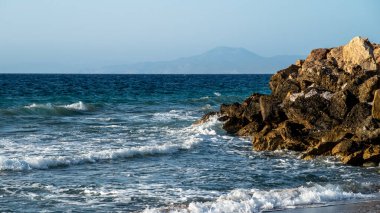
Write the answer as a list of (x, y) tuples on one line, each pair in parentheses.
[(128, 143)]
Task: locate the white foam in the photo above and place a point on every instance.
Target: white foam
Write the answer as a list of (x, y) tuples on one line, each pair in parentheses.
[(183, 139), (42, 106), (173, 115), (43, 162), (255, 200), (76, 106), (217, 94)]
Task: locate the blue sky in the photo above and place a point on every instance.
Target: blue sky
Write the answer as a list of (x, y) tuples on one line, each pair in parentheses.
[(100, 32)]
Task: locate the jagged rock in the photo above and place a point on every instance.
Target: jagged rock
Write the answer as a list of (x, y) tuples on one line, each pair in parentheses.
[(231, 110), (345, 147), (367, 89), (309, 109), (336, 135), (357, 115), (376, 54), (355, 158), (328, 104), (252, 128), (252, 110), (341, 103), (206, 118), (358, 54), (233, 125), (372, 154), (278, 78), (376, 105), (270, 109)]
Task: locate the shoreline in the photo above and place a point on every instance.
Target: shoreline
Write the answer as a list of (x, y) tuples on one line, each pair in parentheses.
[(365, 206)]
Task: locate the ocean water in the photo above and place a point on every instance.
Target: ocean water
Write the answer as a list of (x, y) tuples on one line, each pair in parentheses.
[(127, 143)]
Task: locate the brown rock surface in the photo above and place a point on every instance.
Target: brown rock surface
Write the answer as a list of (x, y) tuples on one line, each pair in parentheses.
[(327, 104), (376, 105)]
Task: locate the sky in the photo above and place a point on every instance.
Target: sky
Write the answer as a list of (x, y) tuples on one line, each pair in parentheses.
[(90, 33)]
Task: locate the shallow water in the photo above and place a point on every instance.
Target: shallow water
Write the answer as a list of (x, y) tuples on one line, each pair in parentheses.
[(127, 143)]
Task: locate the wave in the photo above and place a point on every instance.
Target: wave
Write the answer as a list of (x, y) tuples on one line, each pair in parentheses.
[(50, 109), (40, 162), (254, 200), (193, 136)]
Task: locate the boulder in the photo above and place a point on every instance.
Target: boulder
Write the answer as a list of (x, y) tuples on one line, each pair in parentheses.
[(233, 125), (372, 154), (252, 110), (327, 104), (231, 110), (277, 79), (355, 158), (345, 147), (358, 55), (376, 105), (367, 89), (251, 128), (357, 115), (341, 103), (270, 109), (309, 109)]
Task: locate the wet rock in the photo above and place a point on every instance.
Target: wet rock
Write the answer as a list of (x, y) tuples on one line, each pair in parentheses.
[(251, 128), (345, 147), (231, 110), (206, 117), (372, 154), (233, 125), (355, 158)]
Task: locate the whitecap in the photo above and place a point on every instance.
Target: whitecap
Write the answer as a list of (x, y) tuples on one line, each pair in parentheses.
[(184, 139), (217, 94), (39, 106), (76, 106), (255, 200)]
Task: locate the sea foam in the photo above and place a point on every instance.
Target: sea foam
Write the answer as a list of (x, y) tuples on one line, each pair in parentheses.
[(189, 137), (254, 200)]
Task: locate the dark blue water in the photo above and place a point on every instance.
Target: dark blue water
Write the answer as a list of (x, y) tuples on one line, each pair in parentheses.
[(128, 143)]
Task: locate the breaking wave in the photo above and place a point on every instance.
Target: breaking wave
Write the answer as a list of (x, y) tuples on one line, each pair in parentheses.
[(254, 200), (190, 136), (50, 109)]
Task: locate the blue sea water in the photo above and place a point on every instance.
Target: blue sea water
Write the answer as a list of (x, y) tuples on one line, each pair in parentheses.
[(127, 143)]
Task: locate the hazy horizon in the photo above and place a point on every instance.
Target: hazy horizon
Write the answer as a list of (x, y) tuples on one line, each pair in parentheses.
[(91, 34)]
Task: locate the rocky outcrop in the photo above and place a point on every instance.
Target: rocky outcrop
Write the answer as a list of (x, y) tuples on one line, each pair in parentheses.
[(327, 104)]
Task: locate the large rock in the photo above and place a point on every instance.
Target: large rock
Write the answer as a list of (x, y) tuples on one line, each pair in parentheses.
[(327, 104), (367, 89), (341, 103), (270, 109), (358, 55), (376, 105), (310, 109)]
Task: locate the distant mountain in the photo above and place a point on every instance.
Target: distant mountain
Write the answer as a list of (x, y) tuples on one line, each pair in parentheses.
[(220, 60)]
